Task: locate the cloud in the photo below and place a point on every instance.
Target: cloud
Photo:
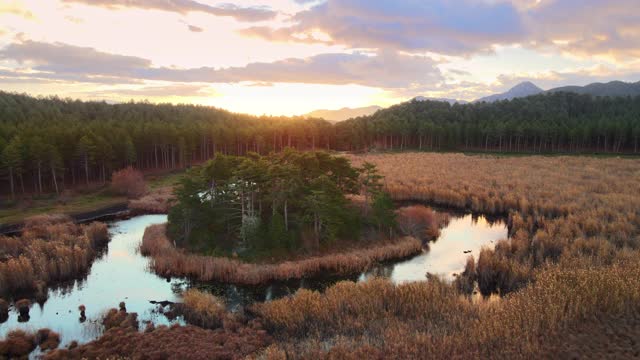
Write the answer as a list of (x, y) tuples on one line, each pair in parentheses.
[(442, 26), (16, 9), (63, 59), (248, 14), (587, 27), (183, 90), (384, 69)]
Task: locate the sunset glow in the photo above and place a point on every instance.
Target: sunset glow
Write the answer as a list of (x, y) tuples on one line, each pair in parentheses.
[(292, 57)]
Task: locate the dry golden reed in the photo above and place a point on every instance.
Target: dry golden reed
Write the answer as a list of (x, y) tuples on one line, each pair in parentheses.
[(50, 249), (572, 256), (157, 201), (169, 261)]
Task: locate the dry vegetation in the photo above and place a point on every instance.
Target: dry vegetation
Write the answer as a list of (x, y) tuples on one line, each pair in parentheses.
[(202, 309), (51, 248), (157, 201), (235, 340), (19, 344), (573, 255), (128, 182), (421, 222), (170, 261), (556, 205)]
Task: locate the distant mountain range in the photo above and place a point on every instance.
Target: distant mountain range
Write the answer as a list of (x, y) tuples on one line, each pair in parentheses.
[(527, 88), (524, 89), (344, 113), (613, 88)]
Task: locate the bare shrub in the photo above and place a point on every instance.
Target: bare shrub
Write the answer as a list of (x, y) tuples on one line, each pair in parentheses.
[(418, 221), (129, 182)]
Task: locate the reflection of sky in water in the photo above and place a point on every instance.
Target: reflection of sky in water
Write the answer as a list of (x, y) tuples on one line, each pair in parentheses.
[(446, 255), (119, 275)]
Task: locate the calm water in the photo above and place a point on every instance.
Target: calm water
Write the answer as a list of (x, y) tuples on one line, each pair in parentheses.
[(121, 274), (463, 237)]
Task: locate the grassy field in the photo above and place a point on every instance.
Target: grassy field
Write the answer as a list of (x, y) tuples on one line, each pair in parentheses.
[(572, 257), (76, 202)]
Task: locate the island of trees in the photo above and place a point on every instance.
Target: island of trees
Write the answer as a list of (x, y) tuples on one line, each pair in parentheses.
[(279, 202), (47, 144)]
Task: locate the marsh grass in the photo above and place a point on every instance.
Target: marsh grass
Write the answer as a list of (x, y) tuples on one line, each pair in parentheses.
[(202, 309), (122, 340), (572, 257), (170, 261), (156, 201), (51, 248)]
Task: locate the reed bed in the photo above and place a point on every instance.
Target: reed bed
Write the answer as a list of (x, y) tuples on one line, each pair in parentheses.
[(430, 320), (235, 340), (202, 309), (579, 205), (50, 249), (170, 261), (571, 259), (157, 201)]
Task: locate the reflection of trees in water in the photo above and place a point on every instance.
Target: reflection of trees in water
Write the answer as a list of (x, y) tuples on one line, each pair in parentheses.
[(380, 271)]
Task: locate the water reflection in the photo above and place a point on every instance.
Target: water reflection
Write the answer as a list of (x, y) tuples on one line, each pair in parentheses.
[(464, 236), (120, 274)]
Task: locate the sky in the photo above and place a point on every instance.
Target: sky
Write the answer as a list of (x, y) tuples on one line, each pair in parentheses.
[(289, 57)]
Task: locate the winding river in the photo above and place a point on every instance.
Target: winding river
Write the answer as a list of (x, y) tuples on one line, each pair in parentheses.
[(121, 274)]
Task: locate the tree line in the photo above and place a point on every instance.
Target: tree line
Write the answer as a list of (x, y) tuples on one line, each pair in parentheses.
[(48, 144), (546, 123)]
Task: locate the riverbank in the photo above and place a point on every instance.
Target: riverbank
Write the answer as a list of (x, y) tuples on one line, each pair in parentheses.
[(90, 204), (169, 261)]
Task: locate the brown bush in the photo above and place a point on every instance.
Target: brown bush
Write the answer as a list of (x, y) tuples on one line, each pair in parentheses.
[(18, 344), (129, 182), (420, 222), (169, 261), (202, 309), (23, 306), (120, 319), (47, 339)]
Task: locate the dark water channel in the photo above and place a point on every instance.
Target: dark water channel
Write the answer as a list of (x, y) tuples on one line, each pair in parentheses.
[(121, 274)]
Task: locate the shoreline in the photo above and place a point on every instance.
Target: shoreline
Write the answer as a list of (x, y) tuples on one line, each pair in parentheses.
[(103, 213), (168, 261)]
